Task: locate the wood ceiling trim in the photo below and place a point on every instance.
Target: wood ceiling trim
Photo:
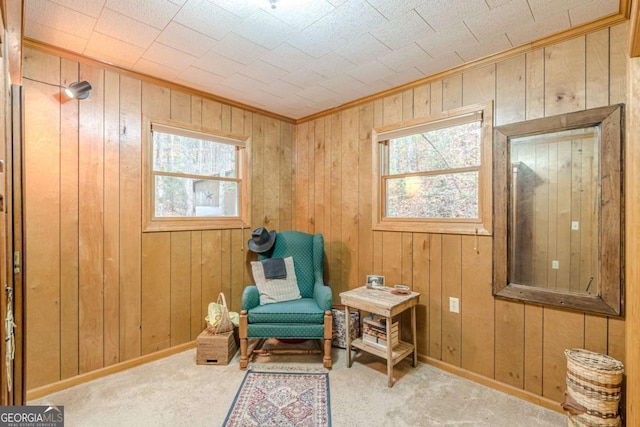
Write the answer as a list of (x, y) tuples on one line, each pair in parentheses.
[(54, 50)]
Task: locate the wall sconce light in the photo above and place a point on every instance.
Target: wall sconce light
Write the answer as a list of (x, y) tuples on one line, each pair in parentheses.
[(78, 90)]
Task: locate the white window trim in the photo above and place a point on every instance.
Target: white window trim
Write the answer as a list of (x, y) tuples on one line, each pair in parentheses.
[(481, 225), (150, 221)]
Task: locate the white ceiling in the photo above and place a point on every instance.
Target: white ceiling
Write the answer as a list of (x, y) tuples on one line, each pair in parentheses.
[(305, 56)]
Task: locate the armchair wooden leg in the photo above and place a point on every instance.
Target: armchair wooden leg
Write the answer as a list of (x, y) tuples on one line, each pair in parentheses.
[(244, 360), (328, 331)]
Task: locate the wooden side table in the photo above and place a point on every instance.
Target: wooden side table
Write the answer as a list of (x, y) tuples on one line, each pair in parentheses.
[(382, 302)]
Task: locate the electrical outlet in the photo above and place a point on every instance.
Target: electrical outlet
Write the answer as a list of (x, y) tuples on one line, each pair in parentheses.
[(575, 225), (555, 264), (454, 305)]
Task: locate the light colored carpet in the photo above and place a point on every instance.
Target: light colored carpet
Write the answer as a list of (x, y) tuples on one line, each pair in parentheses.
[(176, 392)]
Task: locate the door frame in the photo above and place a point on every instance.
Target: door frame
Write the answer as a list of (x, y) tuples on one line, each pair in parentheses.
[(12, 248)]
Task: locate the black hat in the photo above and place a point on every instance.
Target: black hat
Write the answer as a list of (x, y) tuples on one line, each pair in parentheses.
[(261, 240)]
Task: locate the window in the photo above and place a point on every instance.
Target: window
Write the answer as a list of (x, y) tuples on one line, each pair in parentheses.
[(194, 178), (433, 174)]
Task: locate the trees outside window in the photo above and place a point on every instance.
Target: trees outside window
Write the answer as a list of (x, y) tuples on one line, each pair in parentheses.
[(433, 174), (195, 178)]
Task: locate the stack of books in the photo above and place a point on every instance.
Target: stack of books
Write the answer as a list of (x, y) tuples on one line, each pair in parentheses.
[(374, 331)]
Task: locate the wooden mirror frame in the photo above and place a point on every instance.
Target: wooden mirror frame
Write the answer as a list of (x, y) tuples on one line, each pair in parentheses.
[(608, 299)]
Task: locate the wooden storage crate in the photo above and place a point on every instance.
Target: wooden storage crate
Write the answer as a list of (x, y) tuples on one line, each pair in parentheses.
[(216, 349)]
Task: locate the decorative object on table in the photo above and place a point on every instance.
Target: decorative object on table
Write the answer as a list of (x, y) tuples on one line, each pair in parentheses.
[(277, 398), (374, 281), (261, 240), (401, 290), (308, 317), (594, 388), (339, 336), (374, 331), (219, 319)]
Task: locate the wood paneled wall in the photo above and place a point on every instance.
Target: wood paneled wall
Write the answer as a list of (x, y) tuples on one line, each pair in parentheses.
[(99, 291), (517, 344)]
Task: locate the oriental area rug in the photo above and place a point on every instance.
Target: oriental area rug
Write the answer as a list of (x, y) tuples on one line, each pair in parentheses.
[(281, 399)]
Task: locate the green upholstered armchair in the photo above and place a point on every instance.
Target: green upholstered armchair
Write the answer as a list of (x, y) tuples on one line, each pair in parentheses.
[(305, 318)]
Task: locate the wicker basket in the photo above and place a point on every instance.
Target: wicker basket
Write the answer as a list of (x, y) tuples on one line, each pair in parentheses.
[(224, 321), (594, 387)]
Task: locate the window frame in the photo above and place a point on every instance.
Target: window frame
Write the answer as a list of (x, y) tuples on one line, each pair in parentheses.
[(153, 223), (380, 135)]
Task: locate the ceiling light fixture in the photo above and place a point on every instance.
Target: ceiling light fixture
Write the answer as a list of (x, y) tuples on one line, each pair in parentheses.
[(78, 90), (273, 3)]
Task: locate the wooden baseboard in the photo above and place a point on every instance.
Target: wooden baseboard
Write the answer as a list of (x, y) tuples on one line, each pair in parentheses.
[(496, 385), (39, 392)]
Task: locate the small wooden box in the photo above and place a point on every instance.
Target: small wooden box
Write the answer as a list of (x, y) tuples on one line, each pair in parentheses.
[(215, 349)]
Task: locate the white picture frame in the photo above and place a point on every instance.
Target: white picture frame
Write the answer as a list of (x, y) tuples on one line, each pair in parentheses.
[(375, 281)]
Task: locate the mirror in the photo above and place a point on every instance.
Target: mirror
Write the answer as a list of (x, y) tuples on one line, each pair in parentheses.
[(557, 211)]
